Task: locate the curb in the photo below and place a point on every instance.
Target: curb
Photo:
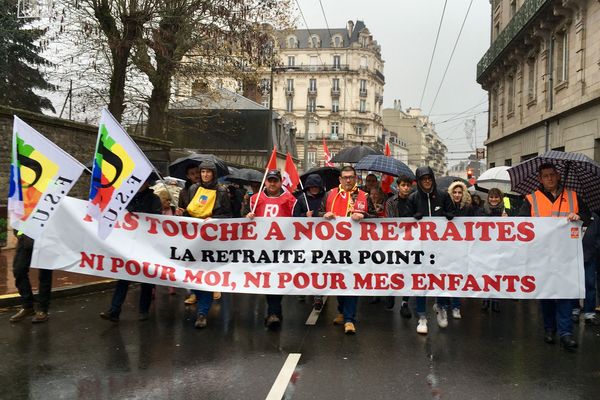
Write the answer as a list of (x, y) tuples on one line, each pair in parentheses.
[(13, 299)]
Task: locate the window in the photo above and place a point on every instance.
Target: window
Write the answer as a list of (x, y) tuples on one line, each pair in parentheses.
[(335, 128), (290, 86), (265, 102), (511, 95), (335, 105), (562, 57), (292, 42), (336, 84), (312, 130), (337, 61), (363, 106), (265, 85), (495, 105), (337, 41), (508, 162), (528, 156), (531, 81), (363, 85), (311, 157), (363, 62), (315, 41), (492, 165), (359, 129), (312, 105), (313, 62), (291, 61), (289, 107), (312, 85)]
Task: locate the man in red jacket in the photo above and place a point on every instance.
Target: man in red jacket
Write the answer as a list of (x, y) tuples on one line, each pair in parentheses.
[(273, 201)]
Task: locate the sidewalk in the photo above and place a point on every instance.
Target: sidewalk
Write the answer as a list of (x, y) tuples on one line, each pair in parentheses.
[(63, 283)]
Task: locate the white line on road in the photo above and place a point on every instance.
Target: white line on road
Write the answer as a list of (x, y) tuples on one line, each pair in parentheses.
[(314, 314), (283, 379)]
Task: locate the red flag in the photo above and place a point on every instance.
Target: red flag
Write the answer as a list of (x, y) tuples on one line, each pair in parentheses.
[(328, 162), (290, 177), (387, 180), (272, 164)]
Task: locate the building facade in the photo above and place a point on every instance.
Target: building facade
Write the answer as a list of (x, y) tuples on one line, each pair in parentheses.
[(424, 145), (542, 74), (329, 86)]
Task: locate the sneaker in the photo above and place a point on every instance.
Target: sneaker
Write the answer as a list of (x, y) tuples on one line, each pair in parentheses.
[(422, 326), (575, 315), (216, 295), (190, 300), (405, 311), (109, 316), (273, 322), (143, 316), (22, 314), (318, 304), (441, 315), (591, 321), (39, 317), (339, 319), (349, 328), (456, 313), (200, 321)]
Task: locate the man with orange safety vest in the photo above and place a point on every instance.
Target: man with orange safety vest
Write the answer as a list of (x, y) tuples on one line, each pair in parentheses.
[(553, 200)]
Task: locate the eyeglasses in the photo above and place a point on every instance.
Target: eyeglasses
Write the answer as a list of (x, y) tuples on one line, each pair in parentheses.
[(426, 178), (348, 178)]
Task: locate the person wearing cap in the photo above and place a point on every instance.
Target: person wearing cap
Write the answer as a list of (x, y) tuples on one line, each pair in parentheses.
[(307, 206), (144, 201), (273, 201), (346, 200), (429, 201), (397, 207), (209, 199)]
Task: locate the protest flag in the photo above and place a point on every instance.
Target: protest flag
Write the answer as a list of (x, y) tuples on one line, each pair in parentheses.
[(271, 164), (120, 168), (387, 180), (41, 175), (328, 162), (290, 177)]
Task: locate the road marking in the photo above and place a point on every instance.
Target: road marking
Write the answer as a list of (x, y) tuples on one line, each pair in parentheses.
[(283, 379), (314, 314)]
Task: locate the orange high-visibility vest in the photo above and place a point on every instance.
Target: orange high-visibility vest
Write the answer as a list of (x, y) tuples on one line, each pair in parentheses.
[(541, 206)]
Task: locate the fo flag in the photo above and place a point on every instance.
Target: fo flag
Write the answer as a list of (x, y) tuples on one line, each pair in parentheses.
[(290, 177), (41, 175), (328, 162), (119, 169), (387, 180)]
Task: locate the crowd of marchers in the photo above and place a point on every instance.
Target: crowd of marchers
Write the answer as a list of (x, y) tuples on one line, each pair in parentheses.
[(204, 197)]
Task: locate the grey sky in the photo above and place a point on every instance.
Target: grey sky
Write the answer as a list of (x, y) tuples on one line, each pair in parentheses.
[(406, 31)]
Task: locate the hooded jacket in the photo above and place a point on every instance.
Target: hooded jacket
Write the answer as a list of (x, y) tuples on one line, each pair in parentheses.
[(314, 201), (222, 207), (145, 201), (434, 203), (462, 209)]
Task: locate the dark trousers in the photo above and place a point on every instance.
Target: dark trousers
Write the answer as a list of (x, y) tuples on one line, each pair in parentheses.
[(347, 306), (557, 314), (121, 292), (203, 301), (21, 265), (274, 305)]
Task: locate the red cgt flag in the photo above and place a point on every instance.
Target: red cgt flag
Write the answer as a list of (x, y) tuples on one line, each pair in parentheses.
[(290, 177), (328, 162), (387, 180)]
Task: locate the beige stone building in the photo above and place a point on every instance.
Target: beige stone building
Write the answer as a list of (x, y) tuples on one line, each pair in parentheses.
[(542, 73), (424, 145), (329, 86)]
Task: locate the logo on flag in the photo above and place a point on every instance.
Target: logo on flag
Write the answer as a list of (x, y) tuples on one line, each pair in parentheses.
[(119, 169), (328, 162), (41, 175), (203, 199), (290, 177)]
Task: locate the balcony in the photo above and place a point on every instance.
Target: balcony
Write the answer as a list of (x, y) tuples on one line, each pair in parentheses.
[(289, 91), (379, 75), (316, 68), (362, 92), (312, 91), (522, 18), (335, 92)]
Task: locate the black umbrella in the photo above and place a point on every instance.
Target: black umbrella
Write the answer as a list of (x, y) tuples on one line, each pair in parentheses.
[(245, 176), (329, 175), (444, 182), (578, 172), (354, 154), (177, 167), (385, 165)]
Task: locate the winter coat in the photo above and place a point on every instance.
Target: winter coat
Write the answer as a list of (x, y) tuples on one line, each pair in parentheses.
[(222, 207), (314, 202), (488, 211), (145, 201), (396, 207), (435, 203), (591, 240), (184, 196), (464, 208)]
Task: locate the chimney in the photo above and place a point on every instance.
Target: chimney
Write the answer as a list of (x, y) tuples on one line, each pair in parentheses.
[(350, 28), (397, 105)]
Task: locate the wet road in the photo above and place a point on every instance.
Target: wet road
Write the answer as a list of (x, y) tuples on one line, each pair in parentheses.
[(483, 356)]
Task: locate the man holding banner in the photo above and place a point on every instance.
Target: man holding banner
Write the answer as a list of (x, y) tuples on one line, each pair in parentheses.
[(553, 200), (273, 201), (347, 200)]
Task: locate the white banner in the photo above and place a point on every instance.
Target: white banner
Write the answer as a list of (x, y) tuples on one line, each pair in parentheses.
[(522, 258)]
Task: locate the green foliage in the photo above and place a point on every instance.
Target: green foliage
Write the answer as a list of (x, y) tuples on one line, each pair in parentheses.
[(20, 62)]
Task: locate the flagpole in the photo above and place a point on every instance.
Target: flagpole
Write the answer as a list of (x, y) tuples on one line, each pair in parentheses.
[(304, 194), (262, 184)]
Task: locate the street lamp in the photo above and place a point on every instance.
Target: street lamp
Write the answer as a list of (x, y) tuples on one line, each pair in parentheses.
[(306, 119)]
